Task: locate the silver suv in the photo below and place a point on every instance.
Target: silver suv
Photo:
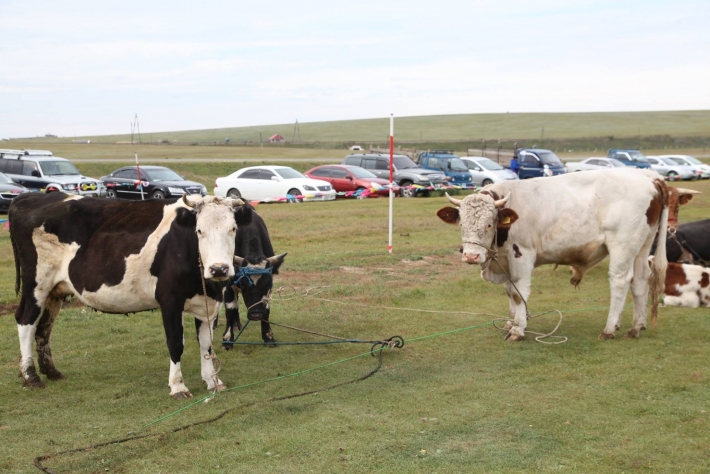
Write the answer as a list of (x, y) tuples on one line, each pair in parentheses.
[(39, 170), (406, 172)]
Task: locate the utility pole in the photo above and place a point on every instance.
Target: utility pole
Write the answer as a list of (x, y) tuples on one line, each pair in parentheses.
[(296, 131)]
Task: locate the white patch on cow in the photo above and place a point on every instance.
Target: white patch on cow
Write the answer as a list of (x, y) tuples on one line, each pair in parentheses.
[(234, 304), (72, 197), (53, 258), (209, 375), (27, 336), (196, 307), (215, 250), (175, 380)]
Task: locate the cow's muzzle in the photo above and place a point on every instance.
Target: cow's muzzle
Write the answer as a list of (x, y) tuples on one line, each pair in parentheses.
[(219, 270), (255, 315), (472, 258)]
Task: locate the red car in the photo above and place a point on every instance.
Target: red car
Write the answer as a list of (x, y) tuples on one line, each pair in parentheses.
[(345, 178)]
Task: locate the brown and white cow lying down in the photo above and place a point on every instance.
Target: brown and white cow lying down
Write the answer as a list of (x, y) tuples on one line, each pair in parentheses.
[(574, 219), (687, 285)]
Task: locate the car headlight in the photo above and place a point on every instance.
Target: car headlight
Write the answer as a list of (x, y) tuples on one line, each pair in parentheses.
[(470, 178), (69, 186), (308, 188), (176, 191)]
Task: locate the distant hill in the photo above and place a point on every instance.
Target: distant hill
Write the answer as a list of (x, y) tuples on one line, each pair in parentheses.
[(506, 126)]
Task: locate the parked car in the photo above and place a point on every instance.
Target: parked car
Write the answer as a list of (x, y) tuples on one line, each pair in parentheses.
[(406, 172), (344, 178), (445, 161), (272, 183), (9, 190), (534, 162), (40, 170), (154, 182), (670, 169), (485, 171), (594, 163), (701, 168), (629, 157)]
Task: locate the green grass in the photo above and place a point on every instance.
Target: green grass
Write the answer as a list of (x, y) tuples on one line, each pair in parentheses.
[(464, 402), (455, 127)]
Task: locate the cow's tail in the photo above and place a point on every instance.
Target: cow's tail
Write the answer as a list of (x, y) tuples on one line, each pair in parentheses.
[(15, 251), (657, 280)]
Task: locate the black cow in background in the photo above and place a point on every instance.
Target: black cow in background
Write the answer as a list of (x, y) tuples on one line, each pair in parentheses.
[(690, 244), (255, 265)]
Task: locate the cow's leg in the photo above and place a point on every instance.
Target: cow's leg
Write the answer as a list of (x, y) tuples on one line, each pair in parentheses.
[(518, 297), (172, 322), (42, 336), (639, 290), (27, 317), (209, 374), (231, 305), (620, 274), (266, 334)]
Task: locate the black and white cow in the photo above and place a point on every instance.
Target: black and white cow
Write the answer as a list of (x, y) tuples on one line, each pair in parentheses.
[(690, 243), (122, 257), (255, 266)]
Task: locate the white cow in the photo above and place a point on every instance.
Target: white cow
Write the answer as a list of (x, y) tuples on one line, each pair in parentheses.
[(574, 219)]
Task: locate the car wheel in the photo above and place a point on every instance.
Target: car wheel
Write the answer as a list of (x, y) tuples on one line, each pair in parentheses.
[(111, 194), (294, 192), (234, 193), (672, 176), (158, 195), (406, 191), (486, 182)]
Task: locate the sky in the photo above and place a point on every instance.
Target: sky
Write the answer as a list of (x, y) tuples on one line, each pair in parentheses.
[(82, 68)]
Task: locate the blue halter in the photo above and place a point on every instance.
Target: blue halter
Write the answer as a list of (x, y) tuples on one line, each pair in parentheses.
[(246, 272)]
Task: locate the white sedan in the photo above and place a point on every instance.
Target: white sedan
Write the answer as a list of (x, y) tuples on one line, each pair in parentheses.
[(272, 183), (601, 163)]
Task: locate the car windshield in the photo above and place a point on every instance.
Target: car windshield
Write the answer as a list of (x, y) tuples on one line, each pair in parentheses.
[(616, 163), (164, 174), (490, 165), (693, 160), (58, 168), (455, 164), (637, 156), (4, 179), (288, 173), (404, 163), (670, 162), (549, 158), (361, 173)]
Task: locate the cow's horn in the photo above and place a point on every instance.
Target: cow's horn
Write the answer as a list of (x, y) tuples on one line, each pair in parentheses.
[(687, 191), (455, 202), (501, 202), (188, 203), (237, 202)]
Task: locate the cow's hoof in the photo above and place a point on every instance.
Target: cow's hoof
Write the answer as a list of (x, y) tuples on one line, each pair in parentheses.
[(510, 337), (35, 383), (54, 374), (508, 325), (220, 387), (604, 336), (271, 344), (181, 395), (633, 333), (227, 347)]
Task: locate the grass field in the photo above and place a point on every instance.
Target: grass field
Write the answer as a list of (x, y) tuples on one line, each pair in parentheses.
[(461, 402), (506, 126)]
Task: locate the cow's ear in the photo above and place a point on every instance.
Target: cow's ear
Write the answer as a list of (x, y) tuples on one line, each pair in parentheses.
[(243, 215), (450, 215), (684, 199), (506, 217), (276, 262), (186, 217)]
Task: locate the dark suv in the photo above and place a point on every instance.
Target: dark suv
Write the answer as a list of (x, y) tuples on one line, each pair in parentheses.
[(406, 172), (534, 161), (39, 170)]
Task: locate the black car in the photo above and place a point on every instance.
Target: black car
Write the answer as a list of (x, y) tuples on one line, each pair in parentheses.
[(156, 182), (8, 191)]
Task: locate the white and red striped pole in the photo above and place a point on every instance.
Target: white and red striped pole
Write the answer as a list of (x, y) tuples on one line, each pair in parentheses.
[(389, 246)]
